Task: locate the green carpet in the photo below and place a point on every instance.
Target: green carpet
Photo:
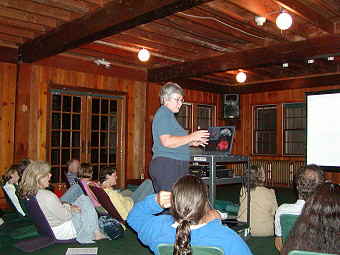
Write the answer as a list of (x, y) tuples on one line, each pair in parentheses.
[(130, 245)]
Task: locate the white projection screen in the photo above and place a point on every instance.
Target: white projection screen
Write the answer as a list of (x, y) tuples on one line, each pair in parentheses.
[(323, 129)]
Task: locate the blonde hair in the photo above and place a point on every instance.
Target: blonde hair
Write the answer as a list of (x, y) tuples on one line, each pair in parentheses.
[(35, 171), (85, 170)]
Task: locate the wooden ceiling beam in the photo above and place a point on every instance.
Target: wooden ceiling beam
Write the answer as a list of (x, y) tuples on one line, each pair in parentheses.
[(307, 13), (8, 54), (114, 18), (276, 54), (309, 81)]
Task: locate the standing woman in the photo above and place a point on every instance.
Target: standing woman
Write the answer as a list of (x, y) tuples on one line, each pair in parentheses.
[(171, 142)]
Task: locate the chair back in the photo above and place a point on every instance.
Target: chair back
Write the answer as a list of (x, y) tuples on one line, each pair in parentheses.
[(80, 183), (39, 218), (298, 252), (11, 204), (287, 222), (105, 201), (167, 249)]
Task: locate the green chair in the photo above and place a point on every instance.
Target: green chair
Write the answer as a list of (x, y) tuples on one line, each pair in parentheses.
[(287, 222), (296, 252), (167, 249)]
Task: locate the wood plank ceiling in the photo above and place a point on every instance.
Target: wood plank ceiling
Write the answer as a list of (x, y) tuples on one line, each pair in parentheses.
[(202, 42)]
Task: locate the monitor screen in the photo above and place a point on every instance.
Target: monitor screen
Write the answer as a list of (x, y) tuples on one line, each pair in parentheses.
[(221, 139)]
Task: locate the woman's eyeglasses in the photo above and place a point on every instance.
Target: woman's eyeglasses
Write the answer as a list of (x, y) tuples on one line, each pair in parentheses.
[(178, 100)]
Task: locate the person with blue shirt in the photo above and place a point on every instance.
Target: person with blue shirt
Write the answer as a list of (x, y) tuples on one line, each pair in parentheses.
[(192, 221), (171, 142)]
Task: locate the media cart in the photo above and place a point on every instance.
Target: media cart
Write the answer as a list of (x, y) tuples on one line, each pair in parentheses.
[(212, 181)]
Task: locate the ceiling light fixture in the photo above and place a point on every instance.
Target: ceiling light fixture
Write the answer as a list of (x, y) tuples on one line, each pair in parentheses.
[(241, 77), (330, 58), (310, 61), (143, 55), (284, 20), (103, 62), (285, 65), (259, 20)]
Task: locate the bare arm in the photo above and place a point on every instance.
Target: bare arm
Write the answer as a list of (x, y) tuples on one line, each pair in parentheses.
[(197, 138)]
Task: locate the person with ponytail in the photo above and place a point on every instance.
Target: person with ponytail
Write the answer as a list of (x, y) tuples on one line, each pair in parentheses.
[(191, 221)]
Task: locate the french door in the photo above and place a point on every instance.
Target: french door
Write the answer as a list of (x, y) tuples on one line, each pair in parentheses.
[(88, 127)]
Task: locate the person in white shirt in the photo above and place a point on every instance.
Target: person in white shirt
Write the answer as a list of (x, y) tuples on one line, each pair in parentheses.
[(10, 182), (307, 179)]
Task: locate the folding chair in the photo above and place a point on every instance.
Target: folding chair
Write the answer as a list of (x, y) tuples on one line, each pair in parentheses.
[(47, 237), (287, 222), (167, 249), (105, 201)]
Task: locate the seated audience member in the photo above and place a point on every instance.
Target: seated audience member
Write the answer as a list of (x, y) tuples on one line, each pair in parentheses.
[(192, 221), (75, 191), (318, 227), (307, 179), (10, 182), (78, 220), (122, 203), (263, 204), (73, 166)]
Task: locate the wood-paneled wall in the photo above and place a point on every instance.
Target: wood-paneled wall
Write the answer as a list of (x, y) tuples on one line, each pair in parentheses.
[(7, 116), (243, 143)]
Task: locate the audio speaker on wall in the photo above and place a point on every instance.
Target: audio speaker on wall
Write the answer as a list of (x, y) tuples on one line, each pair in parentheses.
[(231, 106)]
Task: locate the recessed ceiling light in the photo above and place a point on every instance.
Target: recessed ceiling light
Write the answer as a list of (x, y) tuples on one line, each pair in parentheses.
[(310, 61), (241, 77), (284, 65), (330, 58)]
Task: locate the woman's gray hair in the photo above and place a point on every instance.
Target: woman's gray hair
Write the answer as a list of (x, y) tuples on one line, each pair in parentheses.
[(168, 90)]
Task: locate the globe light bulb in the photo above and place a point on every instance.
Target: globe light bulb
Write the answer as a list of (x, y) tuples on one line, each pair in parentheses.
[(241, 77), (143, 55), (284, 20)]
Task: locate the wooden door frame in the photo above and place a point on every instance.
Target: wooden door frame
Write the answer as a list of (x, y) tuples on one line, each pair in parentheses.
[(121, 119)]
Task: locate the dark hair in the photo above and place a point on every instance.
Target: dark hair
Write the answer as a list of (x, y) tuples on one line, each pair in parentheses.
[(85, 170), (189, 204), (318, 227), (108, 170), (255, 177), (307, 179), (23, 165), (7, 175)]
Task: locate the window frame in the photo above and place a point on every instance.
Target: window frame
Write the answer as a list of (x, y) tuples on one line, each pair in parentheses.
[(194, 115), (254, 130), (284, 129)]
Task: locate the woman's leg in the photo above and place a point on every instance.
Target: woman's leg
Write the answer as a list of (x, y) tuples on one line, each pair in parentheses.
[(85, 222), (72, 194), (143, 191)]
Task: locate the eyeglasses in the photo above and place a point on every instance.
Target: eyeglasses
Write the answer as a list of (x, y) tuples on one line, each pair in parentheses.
[(178, 100)]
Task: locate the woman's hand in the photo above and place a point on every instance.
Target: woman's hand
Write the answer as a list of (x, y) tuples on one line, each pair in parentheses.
[(163, 198), (199, 138)]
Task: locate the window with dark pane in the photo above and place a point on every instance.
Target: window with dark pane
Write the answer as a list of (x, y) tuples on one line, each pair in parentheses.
[(71, 115), (103, 132), (184, 116), (265, 130), (65, 132), (205, 115), (294, 124)]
